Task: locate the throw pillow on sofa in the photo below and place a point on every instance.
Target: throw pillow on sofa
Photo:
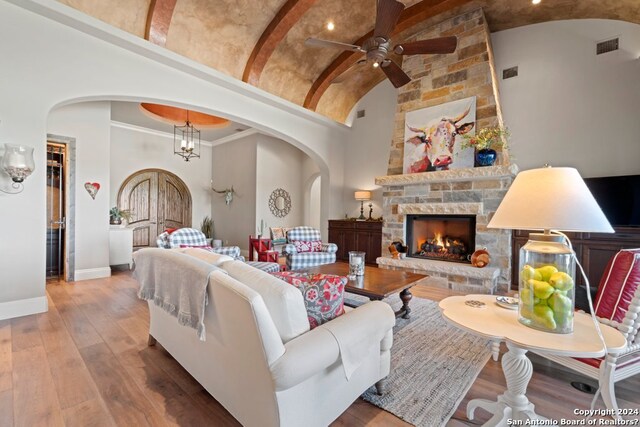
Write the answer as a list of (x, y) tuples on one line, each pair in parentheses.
[(323, 294), (308, 246)]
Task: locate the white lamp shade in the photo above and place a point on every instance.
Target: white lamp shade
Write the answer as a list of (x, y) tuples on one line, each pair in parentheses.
[(362, 195), (550, 199)]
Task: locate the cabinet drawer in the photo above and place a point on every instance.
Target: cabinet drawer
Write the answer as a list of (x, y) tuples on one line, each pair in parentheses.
[(341, 224), (369, 225)]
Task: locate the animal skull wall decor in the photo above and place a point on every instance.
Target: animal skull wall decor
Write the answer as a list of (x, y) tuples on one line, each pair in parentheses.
[(228, 194)]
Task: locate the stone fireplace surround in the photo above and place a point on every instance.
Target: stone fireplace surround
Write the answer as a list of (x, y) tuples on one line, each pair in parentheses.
[(472, 191)]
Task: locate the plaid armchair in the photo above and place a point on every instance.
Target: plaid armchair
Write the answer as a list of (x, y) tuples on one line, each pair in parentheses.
[(193, 237), (300, 260)]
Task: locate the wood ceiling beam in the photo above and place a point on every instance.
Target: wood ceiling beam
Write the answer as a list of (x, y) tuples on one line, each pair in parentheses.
[(411, 16), (277, 29), (159, 20)]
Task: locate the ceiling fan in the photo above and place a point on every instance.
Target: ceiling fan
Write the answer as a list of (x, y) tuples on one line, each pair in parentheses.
[(376, 48)]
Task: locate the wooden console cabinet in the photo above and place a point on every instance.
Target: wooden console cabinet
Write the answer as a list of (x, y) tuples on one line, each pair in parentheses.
[(594, 250), (364, 236)]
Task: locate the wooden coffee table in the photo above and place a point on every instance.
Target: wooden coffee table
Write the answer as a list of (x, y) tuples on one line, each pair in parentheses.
[(376, 284)]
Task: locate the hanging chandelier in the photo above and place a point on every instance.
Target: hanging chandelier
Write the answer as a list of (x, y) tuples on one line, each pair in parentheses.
[(186, 140)]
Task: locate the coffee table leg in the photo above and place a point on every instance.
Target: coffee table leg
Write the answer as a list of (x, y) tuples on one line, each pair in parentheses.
[(513, 403), (404, 311)]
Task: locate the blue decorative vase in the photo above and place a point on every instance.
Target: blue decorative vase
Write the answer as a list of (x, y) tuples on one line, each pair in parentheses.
[(486, 157)]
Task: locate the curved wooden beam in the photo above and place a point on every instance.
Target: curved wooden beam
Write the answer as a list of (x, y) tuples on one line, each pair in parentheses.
[(411, 16), (158, 21), (277, 29)]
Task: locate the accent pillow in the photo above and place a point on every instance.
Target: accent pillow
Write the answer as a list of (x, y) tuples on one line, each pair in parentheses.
[(308, 246), (170, 230), (277, 233), (323, 294)]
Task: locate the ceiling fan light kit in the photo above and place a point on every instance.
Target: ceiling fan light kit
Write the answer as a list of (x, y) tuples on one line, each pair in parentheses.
[(376, 48)]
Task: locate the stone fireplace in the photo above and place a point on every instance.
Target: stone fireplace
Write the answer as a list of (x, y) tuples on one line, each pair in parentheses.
[(458, 199)]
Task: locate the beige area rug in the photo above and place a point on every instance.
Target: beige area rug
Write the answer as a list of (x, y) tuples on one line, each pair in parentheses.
[(433, 365)]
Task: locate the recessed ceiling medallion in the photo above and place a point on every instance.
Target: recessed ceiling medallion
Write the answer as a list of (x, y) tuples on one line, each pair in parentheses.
[(176, 115)]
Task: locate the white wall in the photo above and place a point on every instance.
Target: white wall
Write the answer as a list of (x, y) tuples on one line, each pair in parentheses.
[(569, 107), (234, 164), (278, 165), (61, 56), (89, 124), (367, 153), (133, 150)]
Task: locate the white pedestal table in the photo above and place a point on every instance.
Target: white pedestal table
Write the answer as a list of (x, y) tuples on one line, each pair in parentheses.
[(500, 324)]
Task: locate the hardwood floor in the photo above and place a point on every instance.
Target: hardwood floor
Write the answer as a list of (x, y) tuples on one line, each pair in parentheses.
[(86, 363)]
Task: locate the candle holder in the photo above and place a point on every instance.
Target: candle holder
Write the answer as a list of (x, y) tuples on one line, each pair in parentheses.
[(356, 264)]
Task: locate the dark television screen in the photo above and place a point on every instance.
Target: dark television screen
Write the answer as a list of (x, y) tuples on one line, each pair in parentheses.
[(619, 198)]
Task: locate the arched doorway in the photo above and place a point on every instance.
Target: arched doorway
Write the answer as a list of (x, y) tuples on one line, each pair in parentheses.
[(157, 199)]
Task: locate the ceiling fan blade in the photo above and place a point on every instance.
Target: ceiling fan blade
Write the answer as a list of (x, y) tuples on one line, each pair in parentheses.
[(311, 41), (394, 73), (439, 45), (354, 68), (387, 15)]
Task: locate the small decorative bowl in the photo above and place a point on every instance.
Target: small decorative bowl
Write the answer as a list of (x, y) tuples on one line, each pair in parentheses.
[(480, 258)]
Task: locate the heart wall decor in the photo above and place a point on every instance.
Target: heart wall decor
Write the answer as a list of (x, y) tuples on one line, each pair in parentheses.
[(92, 188)]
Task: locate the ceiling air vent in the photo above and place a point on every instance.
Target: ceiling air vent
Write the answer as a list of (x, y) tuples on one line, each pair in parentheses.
[(607, 46), (360, 114), (507, 73)]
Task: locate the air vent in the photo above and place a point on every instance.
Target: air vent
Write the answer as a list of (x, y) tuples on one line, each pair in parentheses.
[(507, 73), (239, 129), (607, 46), (360, 114)]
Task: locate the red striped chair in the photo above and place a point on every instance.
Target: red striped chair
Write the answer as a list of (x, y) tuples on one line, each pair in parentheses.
[(617, 304)]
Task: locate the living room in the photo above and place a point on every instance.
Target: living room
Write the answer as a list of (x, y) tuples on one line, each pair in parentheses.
[(567, 106)]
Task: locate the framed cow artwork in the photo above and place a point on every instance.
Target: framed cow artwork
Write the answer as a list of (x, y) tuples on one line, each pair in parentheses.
[(433, 137)]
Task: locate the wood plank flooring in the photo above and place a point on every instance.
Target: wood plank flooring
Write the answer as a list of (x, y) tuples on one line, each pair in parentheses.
[(86, 363)]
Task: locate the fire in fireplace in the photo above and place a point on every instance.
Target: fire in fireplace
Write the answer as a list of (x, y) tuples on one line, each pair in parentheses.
[(441, 237)]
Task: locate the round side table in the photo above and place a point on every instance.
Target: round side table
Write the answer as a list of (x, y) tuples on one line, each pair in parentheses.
[(487, 319)]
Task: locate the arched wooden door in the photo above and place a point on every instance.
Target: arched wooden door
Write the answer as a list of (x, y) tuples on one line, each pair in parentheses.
[(157, 200)]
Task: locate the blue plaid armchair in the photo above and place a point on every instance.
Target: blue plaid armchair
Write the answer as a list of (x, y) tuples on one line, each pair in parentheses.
[(300, 260), (193, 237)]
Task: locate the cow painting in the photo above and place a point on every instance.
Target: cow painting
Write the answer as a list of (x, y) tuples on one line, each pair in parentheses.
[(433, 147)]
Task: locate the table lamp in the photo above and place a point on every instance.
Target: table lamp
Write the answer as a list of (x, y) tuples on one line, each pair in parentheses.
[(548, 199), (362, 196)]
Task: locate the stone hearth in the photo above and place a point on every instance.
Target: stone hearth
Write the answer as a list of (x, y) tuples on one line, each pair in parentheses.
[(473, 191)]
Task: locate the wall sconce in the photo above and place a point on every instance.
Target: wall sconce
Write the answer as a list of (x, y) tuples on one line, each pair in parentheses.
[(18, 163)]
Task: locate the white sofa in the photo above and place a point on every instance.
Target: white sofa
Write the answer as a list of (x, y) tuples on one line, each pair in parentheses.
[(260, 360)]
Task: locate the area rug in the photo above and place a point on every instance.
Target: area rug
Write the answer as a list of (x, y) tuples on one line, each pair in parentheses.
[(433, 365)]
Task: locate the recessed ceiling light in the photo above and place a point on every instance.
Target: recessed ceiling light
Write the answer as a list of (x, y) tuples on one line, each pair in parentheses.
[(376, 65), (331, 26), (536, 1)]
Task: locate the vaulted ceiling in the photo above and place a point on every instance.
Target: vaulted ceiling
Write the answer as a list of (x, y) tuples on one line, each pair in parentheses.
[(262, 41)]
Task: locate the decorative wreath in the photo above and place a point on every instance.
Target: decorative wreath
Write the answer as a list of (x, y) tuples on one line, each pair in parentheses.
[(280, 213)]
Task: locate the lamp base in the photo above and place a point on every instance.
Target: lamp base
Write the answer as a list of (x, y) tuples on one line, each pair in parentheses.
[(362, 217)]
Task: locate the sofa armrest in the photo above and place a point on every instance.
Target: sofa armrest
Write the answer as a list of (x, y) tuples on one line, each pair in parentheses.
[(289, 249), (316, 350), (332, 248)]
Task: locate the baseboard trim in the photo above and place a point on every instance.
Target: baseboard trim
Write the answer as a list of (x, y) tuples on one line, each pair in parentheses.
[(23, 307), (92, 273)]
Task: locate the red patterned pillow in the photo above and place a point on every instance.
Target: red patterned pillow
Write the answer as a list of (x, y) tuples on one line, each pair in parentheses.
[(308, 246), (323, 294), (170, 230), (206, 247)]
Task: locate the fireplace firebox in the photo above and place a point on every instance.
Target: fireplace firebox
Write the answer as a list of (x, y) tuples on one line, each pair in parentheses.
[(441, 237)]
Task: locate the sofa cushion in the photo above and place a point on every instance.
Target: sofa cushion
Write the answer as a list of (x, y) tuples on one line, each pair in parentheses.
[(207, 256), (323, 294), (285, 303)]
